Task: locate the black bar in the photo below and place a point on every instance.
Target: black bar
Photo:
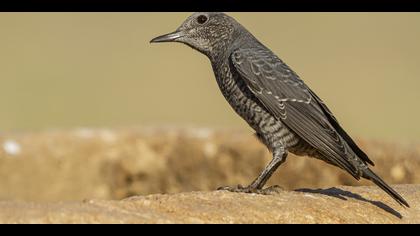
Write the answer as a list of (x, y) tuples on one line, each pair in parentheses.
[(209, 5)]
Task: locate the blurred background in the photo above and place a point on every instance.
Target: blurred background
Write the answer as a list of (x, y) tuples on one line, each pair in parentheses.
[(90, 109), (63, 70)]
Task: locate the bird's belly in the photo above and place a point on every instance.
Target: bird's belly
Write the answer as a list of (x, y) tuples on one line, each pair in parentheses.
[(271, 131)]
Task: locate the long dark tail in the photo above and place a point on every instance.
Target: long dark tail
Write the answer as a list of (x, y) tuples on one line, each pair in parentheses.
[(369, 174)]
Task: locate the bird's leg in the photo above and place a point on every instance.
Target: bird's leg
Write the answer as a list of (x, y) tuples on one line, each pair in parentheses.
[(279, 156)]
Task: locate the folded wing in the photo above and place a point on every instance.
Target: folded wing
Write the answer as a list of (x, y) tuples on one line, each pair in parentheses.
[(287, 98)]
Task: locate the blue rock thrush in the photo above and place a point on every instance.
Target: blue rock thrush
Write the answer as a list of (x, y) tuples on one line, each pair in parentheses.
[(285, 113)]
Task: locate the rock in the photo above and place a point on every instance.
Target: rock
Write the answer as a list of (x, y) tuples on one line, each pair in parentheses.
[(72, 165), (333, 205)]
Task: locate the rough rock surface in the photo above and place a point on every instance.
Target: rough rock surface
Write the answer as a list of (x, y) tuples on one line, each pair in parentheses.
[(335, 205), (115, 164)]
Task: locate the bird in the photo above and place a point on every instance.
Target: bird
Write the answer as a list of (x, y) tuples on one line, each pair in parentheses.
[(286, 115)]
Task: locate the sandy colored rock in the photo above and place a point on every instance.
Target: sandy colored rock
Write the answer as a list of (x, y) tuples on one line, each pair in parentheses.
[(72, 165), (335, 205)]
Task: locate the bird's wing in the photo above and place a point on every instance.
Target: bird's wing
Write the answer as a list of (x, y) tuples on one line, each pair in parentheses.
[(286, 96), (359, 152)]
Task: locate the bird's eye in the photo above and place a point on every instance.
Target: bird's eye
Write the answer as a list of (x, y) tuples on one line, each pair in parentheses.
[(201, 19)]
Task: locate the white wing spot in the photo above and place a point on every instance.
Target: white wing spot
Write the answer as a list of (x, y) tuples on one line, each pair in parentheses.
[(270, 77)]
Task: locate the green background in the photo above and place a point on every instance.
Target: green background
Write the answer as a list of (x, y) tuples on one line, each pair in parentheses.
[(64, 70)]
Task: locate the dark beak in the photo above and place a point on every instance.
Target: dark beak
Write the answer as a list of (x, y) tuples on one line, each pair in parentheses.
[(168, 37)]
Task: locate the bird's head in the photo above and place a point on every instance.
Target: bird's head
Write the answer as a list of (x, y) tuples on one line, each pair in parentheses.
[(208, 32)]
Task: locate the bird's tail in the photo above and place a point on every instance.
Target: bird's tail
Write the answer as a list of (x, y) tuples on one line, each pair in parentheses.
[(369, 174)]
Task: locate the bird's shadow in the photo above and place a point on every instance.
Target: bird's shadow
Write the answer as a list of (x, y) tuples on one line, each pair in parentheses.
[(343, 195)]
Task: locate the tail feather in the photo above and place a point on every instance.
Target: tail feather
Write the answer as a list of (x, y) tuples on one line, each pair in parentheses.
[(369, 174)]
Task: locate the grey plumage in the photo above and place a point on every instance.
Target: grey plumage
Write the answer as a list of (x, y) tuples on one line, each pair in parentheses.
[(285, 113)]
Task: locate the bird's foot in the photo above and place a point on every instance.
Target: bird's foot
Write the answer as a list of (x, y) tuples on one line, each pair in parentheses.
[(275, 189)]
